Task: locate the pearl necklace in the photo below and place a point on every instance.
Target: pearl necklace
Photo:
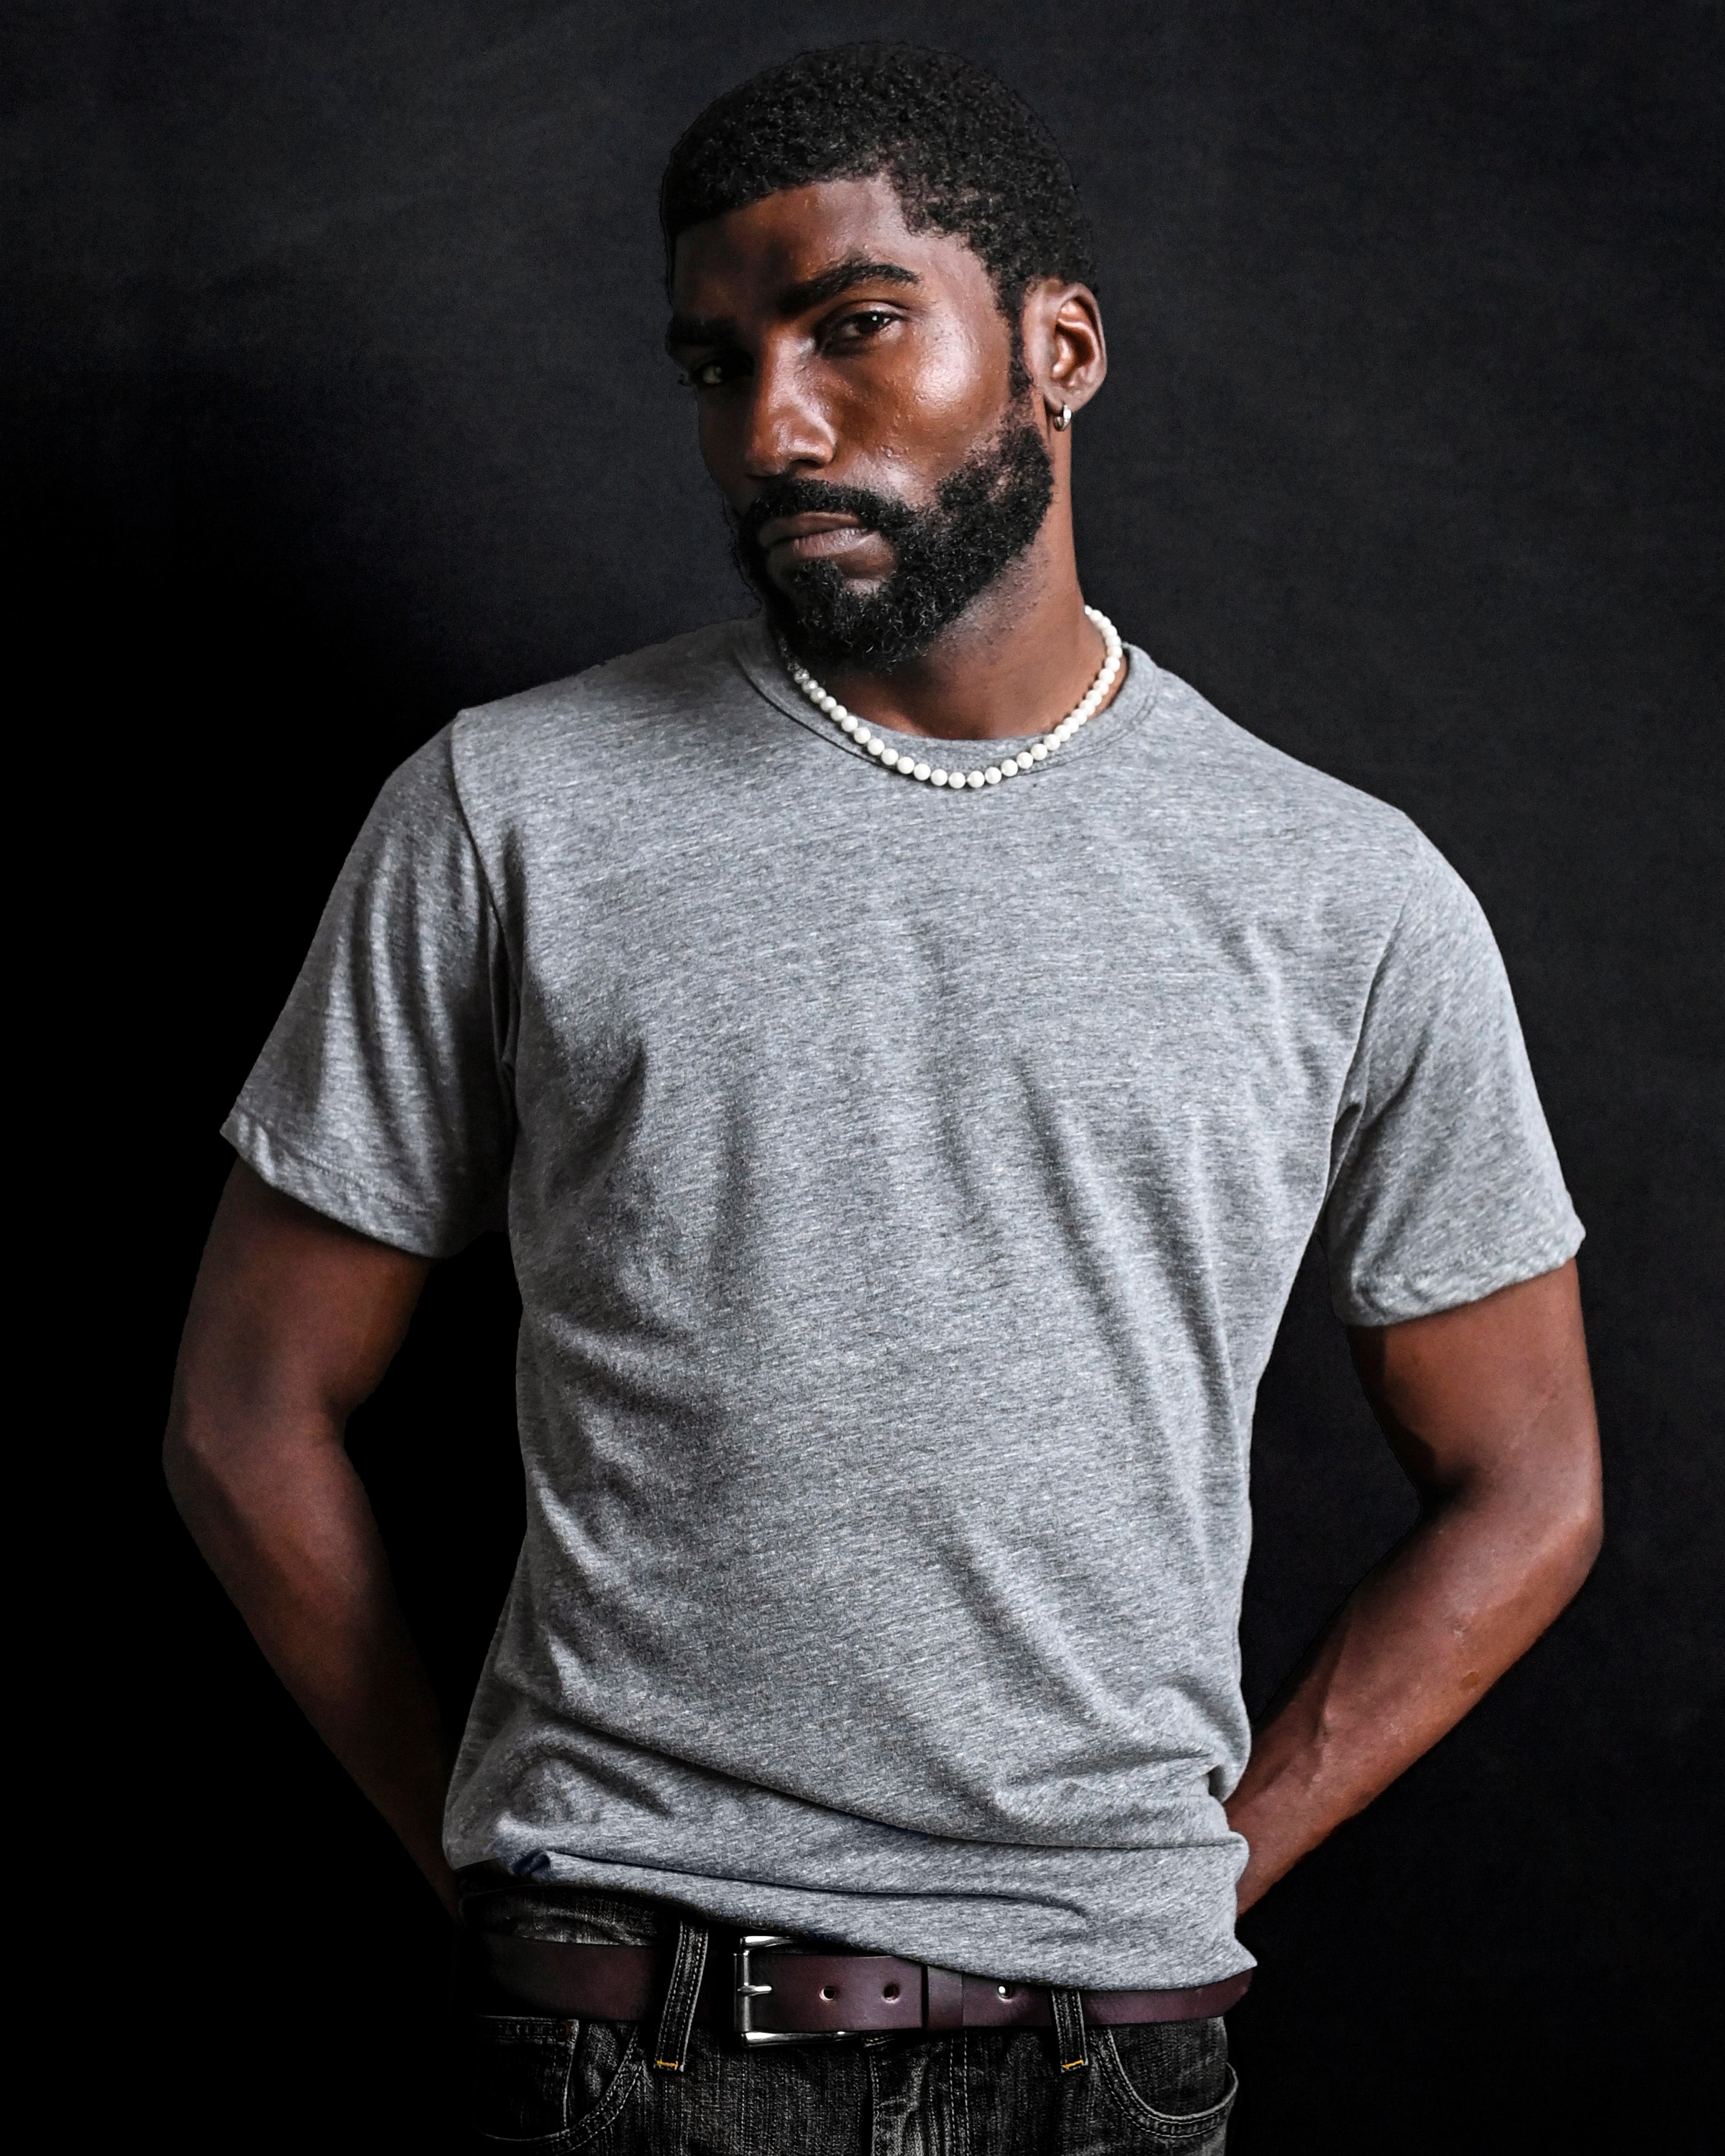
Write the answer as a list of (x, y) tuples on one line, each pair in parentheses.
[(911, 767)]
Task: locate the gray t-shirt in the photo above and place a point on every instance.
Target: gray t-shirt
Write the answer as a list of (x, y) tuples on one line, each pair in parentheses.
[(904, 1188)]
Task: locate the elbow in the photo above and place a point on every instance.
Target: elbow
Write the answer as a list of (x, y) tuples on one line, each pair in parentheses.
[(209, 1448), (231, 1450), (1587, 1533), (190, 1459), (1574, 1527)]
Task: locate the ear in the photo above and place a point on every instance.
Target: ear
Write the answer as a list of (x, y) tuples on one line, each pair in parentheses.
[(1065, 350)]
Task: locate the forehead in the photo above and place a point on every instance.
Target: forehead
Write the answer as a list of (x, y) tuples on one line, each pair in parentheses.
[(743, 262)]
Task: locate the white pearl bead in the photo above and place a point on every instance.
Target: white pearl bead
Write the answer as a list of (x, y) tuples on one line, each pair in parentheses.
[(1057, 737)]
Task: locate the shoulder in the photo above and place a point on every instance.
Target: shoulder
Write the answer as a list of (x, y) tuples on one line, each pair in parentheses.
[(1219, 770), (632, 706), (586, 749), (1241, 798)]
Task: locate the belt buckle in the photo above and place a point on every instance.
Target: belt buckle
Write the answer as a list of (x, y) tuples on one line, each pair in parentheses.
[(746, 1991)]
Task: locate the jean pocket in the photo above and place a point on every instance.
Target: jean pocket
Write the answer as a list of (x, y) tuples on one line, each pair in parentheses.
[(535, 2081), (1172, 2080)]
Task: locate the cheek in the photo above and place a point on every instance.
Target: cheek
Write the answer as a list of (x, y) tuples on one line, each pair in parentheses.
[(930, 401), (719, 435)]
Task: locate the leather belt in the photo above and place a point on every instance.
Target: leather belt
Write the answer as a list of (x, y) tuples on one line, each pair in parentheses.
[(771, 1989)]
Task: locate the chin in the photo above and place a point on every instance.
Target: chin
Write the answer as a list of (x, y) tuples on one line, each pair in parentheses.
[(801, 589)]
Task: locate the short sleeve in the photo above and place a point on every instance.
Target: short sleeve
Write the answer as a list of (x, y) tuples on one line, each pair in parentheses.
[(1444, 1182), (383, 1099)]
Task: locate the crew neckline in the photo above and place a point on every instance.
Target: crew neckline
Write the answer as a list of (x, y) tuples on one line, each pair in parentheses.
[(756, 654)]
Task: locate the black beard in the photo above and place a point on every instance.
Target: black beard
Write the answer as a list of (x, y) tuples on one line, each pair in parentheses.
[(983, 517)]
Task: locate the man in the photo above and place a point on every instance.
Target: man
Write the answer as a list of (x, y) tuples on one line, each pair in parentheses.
[(910, 1041)]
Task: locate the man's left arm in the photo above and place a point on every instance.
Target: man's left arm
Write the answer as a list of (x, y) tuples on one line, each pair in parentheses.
[(1489, 1409)]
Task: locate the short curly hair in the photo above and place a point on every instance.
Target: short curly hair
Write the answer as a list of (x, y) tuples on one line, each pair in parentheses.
[(964, 154)]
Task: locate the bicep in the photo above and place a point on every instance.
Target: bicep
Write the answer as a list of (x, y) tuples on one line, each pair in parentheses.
[(292, 1315), (1495, 1391)]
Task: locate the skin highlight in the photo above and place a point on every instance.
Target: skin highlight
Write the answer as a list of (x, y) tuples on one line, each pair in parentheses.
[(294, 1320)]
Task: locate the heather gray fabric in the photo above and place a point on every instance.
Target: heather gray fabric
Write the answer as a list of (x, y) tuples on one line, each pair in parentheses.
[(904, 1189)]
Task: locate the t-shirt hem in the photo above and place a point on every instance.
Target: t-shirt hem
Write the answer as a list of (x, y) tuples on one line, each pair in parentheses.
[(338, 1194), (1152, 1914), (1400, 1298)]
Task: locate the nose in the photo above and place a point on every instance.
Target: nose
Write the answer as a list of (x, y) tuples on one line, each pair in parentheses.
[(785, 429)]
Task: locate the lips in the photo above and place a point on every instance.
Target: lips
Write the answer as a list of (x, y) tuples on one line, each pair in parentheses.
[(811, 536)]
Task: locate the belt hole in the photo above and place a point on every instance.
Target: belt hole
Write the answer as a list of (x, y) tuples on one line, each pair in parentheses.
[(830, 1991), (1007, 1990), (891, 1992)]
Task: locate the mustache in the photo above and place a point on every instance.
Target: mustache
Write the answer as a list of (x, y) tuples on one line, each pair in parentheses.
[(806, 497)]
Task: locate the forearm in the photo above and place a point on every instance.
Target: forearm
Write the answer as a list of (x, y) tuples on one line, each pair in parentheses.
[(286, 1524), (1419, 1641)]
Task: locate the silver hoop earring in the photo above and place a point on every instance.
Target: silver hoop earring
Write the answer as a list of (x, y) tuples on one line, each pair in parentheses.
[(1063, 418)]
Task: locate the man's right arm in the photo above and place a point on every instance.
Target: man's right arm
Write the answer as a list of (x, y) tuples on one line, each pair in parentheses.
[(294, 1322)]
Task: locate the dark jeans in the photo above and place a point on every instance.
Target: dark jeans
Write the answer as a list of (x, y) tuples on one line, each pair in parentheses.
[(537, 2082), (555, 2085)]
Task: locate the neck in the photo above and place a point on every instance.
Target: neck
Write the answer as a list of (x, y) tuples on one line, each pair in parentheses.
[(1014, 663)]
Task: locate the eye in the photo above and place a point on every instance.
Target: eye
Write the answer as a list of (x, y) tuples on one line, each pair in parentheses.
[(866, 322), (713, 373)]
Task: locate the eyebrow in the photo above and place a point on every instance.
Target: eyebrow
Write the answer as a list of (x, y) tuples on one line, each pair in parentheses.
[(686, 330)]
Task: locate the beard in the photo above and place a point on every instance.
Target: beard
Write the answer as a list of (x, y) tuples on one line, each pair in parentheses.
[(982, 517)]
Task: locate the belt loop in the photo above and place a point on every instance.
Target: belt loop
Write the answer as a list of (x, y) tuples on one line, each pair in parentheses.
[(1069, 2030), (671, 2051)]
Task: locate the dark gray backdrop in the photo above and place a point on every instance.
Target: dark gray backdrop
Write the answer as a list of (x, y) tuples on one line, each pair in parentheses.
[(338, 403)]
